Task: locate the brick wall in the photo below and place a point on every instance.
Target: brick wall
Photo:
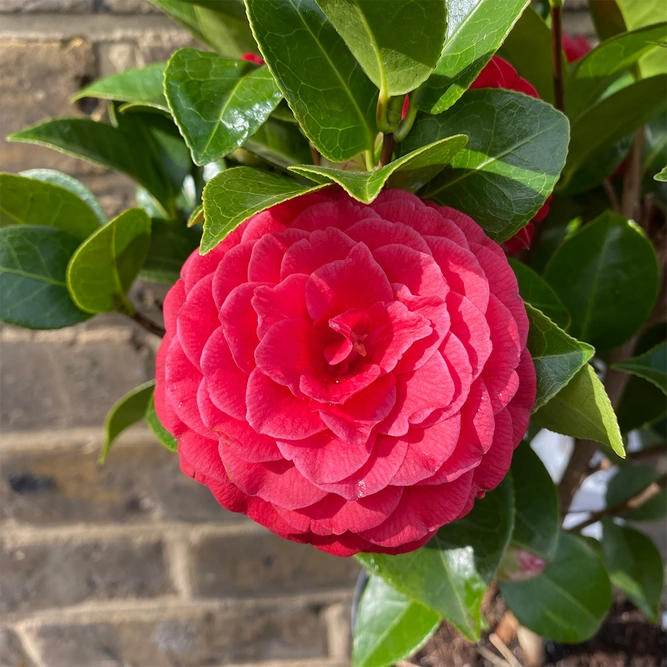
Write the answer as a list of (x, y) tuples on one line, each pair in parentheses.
[(131, 563)]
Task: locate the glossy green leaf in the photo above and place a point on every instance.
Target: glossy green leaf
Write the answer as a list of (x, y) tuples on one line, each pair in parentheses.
[(637, 14), (236, 194), (475, 30), (635, 566), (536, 291), (607, 17), (33, 263), (397, 46), (569, 600), (628, 482), (26, 201), (390, 626), (99, 143), (642, 404), (661, 175), (557, 356), (104, 267), (451, 573), (606, 274), (161, 433), (595, 72), (613, 118), (197, 216), (279, 143), (331, 97), (136, 86), (65, 181), (582, 410), (128, 410), (654, 509), (413, 169), (217, 102), (171, 244), (651, 366), (503, 176), (537, 516)]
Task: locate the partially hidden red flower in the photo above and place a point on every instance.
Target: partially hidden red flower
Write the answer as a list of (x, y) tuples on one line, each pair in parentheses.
[(253, 58), (348, 376), (575, 47)]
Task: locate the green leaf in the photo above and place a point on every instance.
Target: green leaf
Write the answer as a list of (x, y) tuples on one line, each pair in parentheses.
[(595, 72), (118, 149), (654, 509), (475, 30), (451, 573), (642, 405), (606, 274), (516, 151), (628, 482), (635, 566), (661, 176), (398, 47), (217, 102), (607, 17), (582, 410), (414, 170), (136, 86), (236, 194), (64, 181), (279, 143), (537, 516), (331, 97), (528, 48), (557, 356), (651, 366), (637, 15), (33, 263), (569, 600), (390, 626), (104, 267), (161, 433), (26, 201), (612, 119), (196, 216), (536, 291), (126, 411), (171, 244)]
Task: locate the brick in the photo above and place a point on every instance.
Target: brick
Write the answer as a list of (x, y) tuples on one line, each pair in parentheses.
[(12, 653), (47, 576), (61, 6), (266, 564), (212, 638), (52, 381), (136, 485), (128, 7), (36, 81)]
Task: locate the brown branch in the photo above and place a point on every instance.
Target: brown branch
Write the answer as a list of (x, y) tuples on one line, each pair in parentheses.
[(149, 325), (632, 181), (317, 158), (557, 54), (388, 143), (621, 508), (611, 195)]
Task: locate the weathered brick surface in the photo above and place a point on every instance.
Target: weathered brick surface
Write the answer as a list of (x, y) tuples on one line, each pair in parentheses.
[(29, 6), (47, 576), (212, 638), (136, 485), (12, 653), (254, 564)]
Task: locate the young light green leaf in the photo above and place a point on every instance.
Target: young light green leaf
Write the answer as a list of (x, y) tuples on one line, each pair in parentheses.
[(595, 72), (26, 201), (65, 181), (610, 120), (582, 410), (475, 30), (569, 600), (136, 86), (390, 626), (171, 244), (161, 433), (398, 46), (557, 356), (331, 97), (217, 102), (536, 291), (413, 170), (452, 572), (118, 149), (236, 194), (33, 263), (503, 176), (661, 176), (280, 143), (635, 566), (651, 366), (637, 14), (104, 267), (537, 516), (126, 411), (196, 217), (606, 274)]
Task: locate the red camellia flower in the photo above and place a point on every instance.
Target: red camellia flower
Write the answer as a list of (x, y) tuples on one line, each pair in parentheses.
[(575, 47), (349, 376)]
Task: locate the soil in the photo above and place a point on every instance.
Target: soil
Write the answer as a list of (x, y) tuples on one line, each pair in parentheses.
[(626, 639)]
